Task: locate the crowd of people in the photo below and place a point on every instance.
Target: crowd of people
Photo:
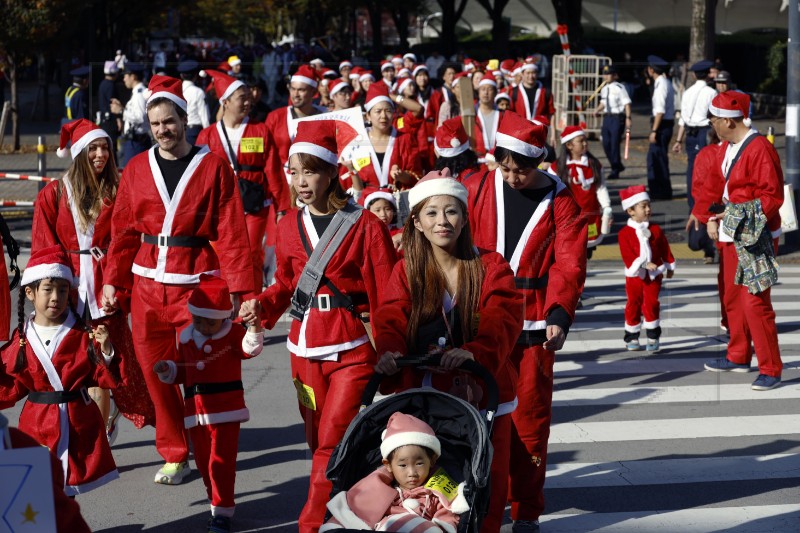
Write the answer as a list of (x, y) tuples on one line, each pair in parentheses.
[(430, 238)]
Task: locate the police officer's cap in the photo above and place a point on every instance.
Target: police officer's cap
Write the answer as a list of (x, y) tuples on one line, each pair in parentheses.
[(190, 65), (655, 61), (702, 66), (81, 72), (723, 77), (610, 69), (135, 68)]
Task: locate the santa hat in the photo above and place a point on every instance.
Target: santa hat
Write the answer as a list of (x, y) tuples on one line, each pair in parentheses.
[(403, 73), (529, 66), (731, 104), (418, 69), (337, 85), (570, 132), (469, 65), (517, 69), (502, 96), (317, 61), (410, 56), (211, 299), (234, 60), (224, 85), (377, 93), (451, 138), (541, 120), (457, 77), (397, 60), (519, 135), (329, 74), (496, 73), (344, 64), (166, 87), (307, 75), (401, 84), (435, 183), (317, 138), (385, 65), (488, 79), (47, 263), (80, 133), (366, 75), (633, 195), (379, 195), (506, 66), (405, 430)]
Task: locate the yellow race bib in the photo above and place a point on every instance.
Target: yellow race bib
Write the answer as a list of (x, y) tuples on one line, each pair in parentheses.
[(441, 483), (305, 395), (361, 162), (400, 123), (592, 231), (252, 145)]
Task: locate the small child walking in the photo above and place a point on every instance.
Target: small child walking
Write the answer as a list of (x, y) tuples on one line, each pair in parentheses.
[(53, 357), (210, 351), (647, 258), (397, 496)]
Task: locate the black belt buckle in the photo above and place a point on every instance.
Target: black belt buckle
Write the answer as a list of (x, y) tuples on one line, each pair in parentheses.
[(97, 253), (85, 395)]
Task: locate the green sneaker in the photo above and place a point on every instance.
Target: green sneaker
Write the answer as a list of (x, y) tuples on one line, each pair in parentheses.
[(172, 473)]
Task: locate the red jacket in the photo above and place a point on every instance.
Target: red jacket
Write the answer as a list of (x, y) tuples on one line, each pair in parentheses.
[(635, 258), (401, 151), (708, 183), (543, 102), (282, 129), (587, 194), (482, 147)]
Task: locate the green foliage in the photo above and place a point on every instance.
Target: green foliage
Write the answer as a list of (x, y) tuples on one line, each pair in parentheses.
[(775, 82), (30, 25)]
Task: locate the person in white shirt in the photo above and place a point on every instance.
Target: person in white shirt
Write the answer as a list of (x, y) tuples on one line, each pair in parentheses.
[(662, 124), (135, 129), (434, 63), (615, 104), (693, 125), (196, 107)]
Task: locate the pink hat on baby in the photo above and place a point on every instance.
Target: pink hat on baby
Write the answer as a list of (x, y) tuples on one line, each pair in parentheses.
[(404, 430)]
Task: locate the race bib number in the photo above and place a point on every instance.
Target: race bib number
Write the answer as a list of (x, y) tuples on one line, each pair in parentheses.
[(400, 123), (305, 395), (252, 145), (361, 158), (443, 484), (592, 228)]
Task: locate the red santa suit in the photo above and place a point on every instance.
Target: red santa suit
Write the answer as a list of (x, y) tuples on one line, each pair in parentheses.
[(756, 174), (5, 298), (641, 243), (499, 311), (549, 264), (253, 146), (56, 222), (590, 193), (331, 352), (281, 124), (210, 370), (542, 102), (484, 133), (205, 207), (401, 150), (74, 429), (375, 504)]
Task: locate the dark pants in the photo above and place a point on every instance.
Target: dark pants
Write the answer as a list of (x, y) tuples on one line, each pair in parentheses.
[(695, 140), (658, 181), (192, 132), (131, 148), (612, 132)]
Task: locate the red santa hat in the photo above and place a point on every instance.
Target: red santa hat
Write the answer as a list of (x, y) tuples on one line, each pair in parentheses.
[(211, 298), (337, 85), (517, 69), (224, 85), (502, 96), (519, 135), (457, 77), (344, 64), (418, 69), (633, 195), (570, 132), (317, 61), (397, 61), (488, 79), (731, 104), (80, 133), (329, 74), (377, 93), (507, 65), (409, 55), (166, 87), (435, 183), (541, 120), (403, 73), (317, 138), (401, 84), (469, 65), (496, 73), (405, 430), (366, 75), (451, 138), (385, 65), (529, 66), (48, 263), (307, 75), (379, 195)]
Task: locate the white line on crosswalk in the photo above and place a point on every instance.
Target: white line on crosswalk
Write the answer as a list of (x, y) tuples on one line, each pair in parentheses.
[(649, 394), (682, 322), (666, 429), (643, 365), (674, 304)]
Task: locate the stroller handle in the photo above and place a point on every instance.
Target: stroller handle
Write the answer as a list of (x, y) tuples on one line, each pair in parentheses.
[(415, 361)]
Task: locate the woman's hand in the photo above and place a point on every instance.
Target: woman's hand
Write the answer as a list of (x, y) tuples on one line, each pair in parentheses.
[(397, 241), (555, 338), (109, 300), (455, 358), (386, 364), (250, 311), (102, 338)]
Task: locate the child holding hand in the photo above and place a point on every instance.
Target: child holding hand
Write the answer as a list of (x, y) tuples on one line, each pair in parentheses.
[(383, 205), (398, 496), (647, 258), (210, 351)]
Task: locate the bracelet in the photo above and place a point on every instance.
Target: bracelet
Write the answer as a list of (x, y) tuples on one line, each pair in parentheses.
[(653, 131)]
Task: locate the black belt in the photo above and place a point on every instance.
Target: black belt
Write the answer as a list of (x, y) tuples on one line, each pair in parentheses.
[(251, 168), (212, 388), (694, 130), (194, 126), (531, 283), (56, 397), (532, 338), (326, 302), (179, 240), (94, 251)]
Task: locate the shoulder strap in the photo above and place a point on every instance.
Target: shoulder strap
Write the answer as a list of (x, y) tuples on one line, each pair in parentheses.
[(236, 167), (483, 182), (746, 142)]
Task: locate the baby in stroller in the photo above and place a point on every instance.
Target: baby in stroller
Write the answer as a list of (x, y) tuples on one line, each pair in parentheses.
[(405, 492)]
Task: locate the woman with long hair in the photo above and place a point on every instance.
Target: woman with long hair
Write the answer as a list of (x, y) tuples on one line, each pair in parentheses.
[(332, 356), (75, 213), (448, 297)]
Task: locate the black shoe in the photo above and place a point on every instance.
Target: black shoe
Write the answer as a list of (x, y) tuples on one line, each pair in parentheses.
[(219, 524), (525, 526)]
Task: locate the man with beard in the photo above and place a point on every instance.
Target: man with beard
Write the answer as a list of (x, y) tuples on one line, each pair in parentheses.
[(161, 244)]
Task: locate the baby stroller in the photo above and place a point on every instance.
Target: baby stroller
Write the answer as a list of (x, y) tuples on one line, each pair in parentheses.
[(464, 434)]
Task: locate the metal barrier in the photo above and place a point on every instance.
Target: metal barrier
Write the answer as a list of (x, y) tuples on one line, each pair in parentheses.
[(575, 80)]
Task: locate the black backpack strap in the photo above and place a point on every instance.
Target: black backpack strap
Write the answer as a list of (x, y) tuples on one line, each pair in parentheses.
[(750, 138), (483, 182)]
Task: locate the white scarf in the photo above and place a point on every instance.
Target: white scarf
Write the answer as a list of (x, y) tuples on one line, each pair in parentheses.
[(643, 234), (580, 179)]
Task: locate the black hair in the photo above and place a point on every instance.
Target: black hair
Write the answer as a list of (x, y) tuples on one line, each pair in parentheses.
[(658, 70), (563, 171), (701, 74), (464, 160), (430, 453), (522, 161)]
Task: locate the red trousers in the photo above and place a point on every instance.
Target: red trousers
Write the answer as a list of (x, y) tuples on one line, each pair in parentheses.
[(215, 449), (530, 431), (337, 386), (642, 300), (501, 439), (751, 321), (158, 313), (256, 229)]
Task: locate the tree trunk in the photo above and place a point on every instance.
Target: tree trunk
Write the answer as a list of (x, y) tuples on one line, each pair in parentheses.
[(375, 13), (702, 37), (12, 78), (401, 23), (450, 17), (500, 30)]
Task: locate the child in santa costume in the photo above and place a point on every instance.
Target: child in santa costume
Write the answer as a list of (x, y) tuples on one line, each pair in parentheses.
[(52, 359), (397, 496), (209, 366), (332, 357), (75, 212), (582, 172), (383, 205), (647, 258)]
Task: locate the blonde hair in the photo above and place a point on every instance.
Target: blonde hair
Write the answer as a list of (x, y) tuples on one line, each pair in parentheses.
[(90, 191)]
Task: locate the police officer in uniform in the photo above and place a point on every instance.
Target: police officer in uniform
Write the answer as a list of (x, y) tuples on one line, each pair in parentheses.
[(662, 124), (76, 99), (135, 128), (196, 107), (615, 104), (106, 92)]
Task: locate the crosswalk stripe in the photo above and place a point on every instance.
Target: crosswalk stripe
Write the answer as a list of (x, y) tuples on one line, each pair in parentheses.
[(672, 305), (668, 429), (650, 394), (642, 365), (682, 322)]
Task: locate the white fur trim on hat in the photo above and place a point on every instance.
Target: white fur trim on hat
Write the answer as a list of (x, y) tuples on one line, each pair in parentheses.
[(230, 90), (566, 138), (304, 79), (502, 96), (724, 113), (215, 314), (515, 145), (436, 187), (340, 87), (82, 143), (410, 56), (487, 81), (387, 66), (635, 199), (377, 100), (47, 271), (407, 438), (529, 66), (169, 96), (365, 77), (314, 149), (451, 151), (380, 195)]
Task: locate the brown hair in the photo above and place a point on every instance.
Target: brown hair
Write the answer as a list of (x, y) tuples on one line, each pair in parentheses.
[(337, 198), (89, 191), (426, 279)]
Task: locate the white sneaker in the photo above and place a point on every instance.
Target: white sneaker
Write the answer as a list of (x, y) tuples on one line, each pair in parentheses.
[(112, 424), (172, 473)]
